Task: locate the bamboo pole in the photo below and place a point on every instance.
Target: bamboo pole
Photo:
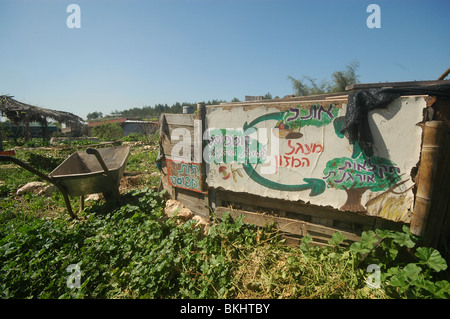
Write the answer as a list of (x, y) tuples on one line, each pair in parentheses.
[(425, 176)]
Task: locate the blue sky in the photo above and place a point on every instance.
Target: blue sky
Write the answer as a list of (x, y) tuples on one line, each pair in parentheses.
[(134, 53)]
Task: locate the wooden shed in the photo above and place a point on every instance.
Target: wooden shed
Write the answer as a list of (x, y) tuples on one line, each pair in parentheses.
[(19, 113), (373, 157)]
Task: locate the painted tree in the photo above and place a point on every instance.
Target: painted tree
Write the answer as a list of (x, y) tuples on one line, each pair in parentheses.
[(356, 176), (359, 173)]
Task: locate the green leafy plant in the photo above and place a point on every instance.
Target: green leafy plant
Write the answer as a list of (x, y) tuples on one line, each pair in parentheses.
[(135, 251), (43, 162), (407, 271), (107, 131)]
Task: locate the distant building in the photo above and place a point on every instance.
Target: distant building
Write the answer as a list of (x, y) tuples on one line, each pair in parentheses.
[(249, 98), (36, 129), (129, 126), (139, 127)]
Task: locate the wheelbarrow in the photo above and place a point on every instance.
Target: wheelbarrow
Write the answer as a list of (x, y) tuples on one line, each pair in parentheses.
[(86, 172)]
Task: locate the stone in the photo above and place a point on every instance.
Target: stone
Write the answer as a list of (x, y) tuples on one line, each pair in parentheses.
[(174, 207), (202, 222), (48, 190), (31, 187), (39, 188), (94, 197)]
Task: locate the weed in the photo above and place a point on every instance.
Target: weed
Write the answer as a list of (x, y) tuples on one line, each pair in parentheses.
[(407, 271), (136, 251)]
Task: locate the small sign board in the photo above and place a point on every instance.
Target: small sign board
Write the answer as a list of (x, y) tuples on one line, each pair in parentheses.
[(8, 153), (184, 175)]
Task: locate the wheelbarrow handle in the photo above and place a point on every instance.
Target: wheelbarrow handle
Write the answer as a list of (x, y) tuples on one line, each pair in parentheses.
[(105, 168), (4, 158), (93, 151)]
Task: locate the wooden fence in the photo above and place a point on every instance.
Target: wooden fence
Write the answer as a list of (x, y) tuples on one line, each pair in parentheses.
[(186, 175)]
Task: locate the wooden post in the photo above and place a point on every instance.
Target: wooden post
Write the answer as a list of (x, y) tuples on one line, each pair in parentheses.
[(1, 137), (45, 134), (201, 113), (425, 177), (26, 132), (444, 75)]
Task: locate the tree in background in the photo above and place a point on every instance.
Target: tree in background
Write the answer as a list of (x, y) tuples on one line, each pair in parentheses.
[(94, 115), (107, 131), (268, 96), (340, 79)]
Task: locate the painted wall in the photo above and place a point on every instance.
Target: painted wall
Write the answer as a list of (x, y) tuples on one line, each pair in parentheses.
[(295, 151)]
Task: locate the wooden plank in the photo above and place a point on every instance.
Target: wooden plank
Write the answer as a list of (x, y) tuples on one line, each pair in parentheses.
[(339, 97), (195, 196), (173, 127), (180, 119), (393, 84), (170, 139), (295, 241), (194, 201), (288, 225), (322, 221), (310, 99), (168, 150), (168, 143), (165, 183), (296, 207)]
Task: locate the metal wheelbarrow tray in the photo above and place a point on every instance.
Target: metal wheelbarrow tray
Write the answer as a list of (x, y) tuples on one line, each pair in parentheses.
[(82, 174), (86, 172)]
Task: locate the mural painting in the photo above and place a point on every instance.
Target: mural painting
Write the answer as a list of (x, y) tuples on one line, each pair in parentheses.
[(297, 152)]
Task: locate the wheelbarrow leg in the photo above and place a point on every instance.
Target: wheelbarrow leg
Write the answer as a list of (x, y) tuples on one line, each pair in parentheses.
[(67, 201), (81, 204), (113, 195)]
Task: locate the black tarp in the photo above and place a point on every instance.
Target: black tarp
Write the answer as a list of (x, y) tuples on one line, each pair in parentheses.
[(360, 103)]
